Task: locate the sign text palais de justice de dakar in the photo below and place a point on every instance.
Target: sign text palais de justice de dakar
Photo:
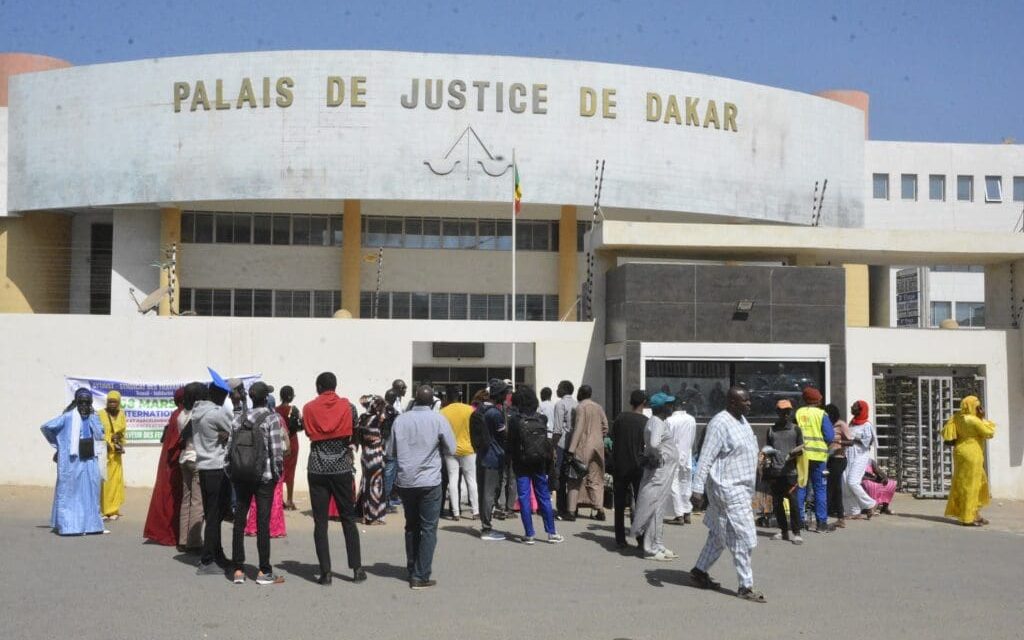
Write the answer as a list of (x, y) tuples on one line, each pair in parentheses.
[(436, 94)]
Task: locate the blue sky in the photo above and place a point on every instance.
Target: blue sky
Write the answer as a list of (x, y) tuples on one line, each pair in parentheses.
[(936, 71)]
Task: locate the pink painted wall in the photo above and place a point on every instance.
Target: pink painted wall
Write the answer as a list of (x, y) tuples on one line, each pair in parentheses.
[(11, 64), (857, 99)]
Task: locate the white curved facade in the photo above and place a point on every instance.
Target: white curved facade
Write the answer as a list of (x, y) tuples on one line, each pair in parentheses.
[(142, 132)]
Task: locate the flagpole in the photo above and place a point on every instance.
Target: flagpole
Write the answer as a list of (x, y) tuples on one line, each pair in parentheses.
[(515, 168)]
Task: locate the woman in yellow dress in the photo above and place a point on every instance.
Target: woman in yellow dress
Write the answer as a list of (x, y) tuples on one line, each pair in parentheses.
[(114, 428), (969, 492)]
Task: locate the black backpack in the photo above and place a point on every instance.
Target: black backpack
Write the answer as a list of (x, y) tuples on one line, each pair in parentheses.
[(534, 445), (479, 434), (248, 454)]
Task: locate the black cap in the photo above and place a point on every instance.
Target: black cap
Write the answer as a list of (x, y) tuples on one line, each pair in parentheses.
[(260, 390), (496, 387)]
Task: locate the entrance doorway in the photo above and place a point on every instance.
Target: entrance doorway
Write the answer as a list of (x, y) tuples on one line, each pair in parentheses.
[(467, 380), (101, 254), (911, 407)]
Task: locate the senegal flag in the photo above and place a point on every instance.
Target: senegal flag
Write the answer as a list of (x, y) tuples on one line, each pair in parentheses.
[(517, 194)]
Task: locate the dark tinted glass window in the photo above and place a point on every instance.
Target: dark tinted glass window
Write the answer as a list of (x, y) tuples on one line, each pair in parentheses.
[(495, 307), (431, 233), (282, 229), (414, 233), (203, 305), (366, 304), (459, 306), (420, 306), (300, 230), (336, 230), (534, 307), (225, 228), (318, 233), (504, 234), (439, 306), (467, 234), (243, 228), (400, 304), (243, 302), (301, 304), (261, 233), (282, 304), (376, 231), (450, 238), (488, 230), (323, 304), (393, 239), (551, 307), (263, 303), (477, 306), (204, 227), (222, 302), (184, 300), (188, 226)]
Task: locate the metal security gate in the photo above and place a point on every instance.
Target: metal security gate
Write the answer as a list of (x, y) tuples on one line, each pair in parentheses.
[(934, 460), (912, 405)]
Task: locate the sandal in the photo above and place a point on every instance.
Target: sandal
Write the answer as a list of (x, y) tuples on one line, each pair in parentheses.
[(980, 521), (747, 593), (702, 580)]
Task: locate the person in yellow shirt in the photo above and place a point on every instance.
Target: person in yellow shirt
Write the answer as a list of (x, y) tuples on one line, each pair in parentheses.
[(114, 430), (457, 413), (968, 429)]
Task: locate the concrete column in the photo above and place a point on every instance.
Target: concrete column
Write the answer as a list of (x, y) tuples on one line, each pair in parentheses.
[(568, 282), (136, 244), (858, 303), (35, 263), (351, 257), (170, 234)]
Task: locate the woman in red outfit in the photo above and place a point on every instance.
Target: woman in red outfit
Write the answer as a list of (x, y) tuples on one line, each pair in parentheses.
[(165, 503), (292, 418)]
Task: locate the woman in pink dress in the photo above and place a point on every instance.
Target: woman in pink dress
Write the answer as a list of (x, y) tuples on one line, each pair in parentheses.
[(879, 487)]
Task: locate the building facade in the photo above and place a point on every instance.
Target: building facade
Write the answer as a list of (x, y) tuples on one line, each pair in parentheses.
[(290, 212)]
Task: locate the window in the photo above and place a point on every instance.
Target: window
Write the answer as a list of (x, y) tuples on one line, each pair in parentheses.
[(393, 228), (880, 186), (970, 314), (263, 303), (282, 229), (188, 224), (301, 301), (222, 302), (300, 230), (375, 232), (318, 234), (467, 234), (243, 303), (282, 304), (477, 306), (1018, 189), (581, 236), (204, 227), (420, 306), (459, 306), (414, 233), (365, 304), (488, 235), (400, 305), (993, 189), (225, 228), (534, 307), (185, 300), (431, 233), (261, 229), (936, 187), (551, 308), (965, 188), (323, 304), (450, 236), (336, 230), (503, 235), (243, 228), (203, 304), (908, 186), (941, 311), (439, 306), (496, 307)]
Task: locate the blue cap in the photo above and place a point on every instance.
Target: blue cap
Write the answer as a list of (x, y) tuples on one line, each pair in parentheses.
[(660, 399)]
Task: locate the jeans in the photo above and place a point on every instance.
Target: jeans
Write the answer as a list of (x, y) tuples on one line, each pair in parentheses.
[(341, 487), (486, 483), (782, 489), (390, 473), (539, 482), (624, 483), (466, 464), (836, 467), (264, 493), (816, 479), (422, 507), (216, 492)]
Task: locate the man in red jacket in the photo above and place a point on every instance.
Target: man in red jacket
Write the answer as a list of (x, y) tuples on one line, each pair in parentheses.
[(329, 421)]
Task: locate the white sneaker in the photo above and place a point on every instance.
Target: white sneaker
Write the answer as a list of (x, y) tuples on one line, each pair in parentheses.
[(798, 540), (527, 540), (780, 536), (554, 538), (492, 536), (670, 554), (658, 557)]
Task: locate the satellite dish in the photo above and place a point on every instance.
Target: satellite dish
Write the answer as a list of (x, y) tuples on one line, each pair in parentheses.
[(343, 314), (150, 302)]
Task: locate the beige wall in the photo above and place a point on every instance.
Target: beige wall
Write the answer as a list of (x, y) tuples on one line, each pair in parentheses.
[(365, 354), (35, 263)]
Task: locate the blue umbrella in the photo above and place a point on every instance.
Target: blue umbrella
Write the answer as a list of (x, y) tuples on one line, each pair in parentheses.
[(218, 379)]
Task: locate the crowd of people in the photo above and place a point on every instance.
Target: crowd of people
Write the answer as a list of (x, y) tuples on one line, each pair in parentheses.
[(506, 450)]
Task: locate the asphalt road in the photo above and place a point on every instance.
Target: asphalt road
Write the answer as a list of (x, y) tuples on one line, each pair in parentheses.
[(911, 575)]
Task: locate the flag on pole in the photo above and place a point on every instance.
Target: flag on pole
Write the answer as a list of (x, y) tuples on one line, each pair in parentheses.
[(518, 192)]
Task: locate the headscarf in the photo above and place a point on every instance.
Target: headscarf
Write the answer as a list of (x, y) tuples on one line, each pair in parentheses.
[(811, 395), (114, 395), (863, 413), (76, 419), (968, 410)]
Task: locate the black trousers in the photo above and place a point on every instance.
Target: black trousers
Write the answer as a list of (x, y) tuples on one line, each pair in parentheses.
[(562, 485), (341, 487), (784, 488), (264, 494), (627, 487), (836, 467), (216, 492), (487, 483)]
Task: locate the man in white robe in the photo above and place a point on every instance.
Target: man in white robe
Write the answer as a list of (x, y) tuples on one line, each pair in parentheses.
[(683, 427), (660, 460), (727, 473)]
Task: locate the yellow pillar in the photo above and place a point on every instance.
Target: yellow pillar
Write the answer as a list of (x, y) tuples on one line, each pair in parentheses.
[(858, 299), (170, 234), (351, 257), (35, 263), (568, 282)]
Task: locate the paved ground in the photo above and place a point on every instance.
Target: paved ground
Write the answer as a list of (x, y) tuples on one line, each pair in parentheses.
[(912, 575)]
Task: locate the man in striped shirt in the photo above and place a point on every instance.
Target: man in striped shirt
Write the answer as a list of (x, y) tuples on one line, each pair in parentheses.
[(728, 472)]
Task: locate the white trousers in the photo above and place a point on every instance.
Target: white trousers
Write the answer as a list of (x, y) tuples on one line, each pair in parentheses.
[(468, 466), (740, 558), (855, 498), (680, 498)]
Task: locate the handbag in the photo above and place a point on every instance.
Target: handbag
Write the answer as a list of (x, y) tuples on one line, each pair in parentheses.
[(577, 470), (86, 449)]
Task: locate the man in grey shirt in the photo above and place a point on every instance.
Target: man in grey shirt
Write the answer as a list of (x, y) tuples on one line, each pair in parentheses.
[(561, 433), (211, 426), (420, 438)]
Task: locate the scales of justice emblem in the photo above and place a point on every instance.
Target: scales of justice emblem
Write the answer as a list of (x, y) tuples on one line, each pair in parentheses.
[(477, 155)]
